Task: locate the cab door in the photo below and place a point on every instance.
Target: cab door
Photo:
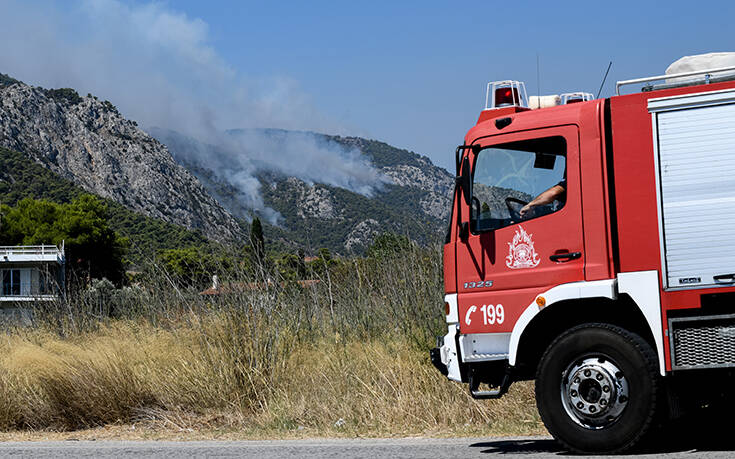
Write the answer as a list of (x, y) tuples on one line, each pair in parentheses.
[(510, 256)]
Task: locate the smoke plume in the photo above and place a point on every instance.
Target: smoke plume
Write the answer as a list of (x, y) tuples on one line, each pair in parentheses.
[(158, 67)]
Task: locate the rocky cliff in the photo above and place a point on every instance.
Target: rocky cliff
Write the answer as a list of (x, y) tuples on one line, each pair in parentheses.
[(90, 143), (198, 186)]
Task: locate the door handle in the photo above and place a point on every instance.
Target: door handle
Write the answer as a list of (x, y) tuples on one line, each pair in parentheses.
[(565, 256), (725, 278)]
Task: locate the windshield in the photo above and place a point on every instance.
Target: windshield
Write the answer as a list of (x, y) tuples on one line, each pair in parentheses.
[(517, 182)]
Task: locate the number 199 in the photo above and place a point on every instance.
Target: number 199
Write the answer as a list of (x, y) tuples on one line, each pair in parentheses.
[(492, 314)]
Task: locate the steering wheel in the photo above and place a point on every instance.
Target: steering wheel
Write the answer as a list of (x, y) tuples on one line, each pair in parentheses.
[(515, 215)]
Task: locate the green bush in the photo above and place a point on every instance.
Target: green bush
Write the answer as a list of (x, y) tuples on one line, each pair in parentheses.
[(388, 245), (64, 95)]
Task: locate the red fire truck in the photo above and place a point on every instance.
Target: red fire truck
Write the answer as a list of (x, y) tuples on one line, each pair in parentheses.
[(590, 248)]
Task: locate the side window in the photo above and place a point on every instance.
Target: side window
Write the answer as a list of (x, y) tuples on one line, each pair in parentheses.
[(11, 282), (518, 181)]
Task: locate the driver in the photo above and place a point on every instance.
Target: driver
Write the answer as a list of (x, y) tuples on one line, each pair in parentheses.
[(557, 192)]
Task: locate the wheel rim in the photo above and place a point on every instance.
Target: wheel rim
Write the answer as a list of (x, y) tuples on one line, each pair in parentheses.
[(594, 392)]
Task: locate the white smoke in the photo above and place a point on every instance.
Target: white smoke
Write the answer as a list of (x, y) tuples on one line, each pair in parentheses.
[(306, 155), (158, 67)]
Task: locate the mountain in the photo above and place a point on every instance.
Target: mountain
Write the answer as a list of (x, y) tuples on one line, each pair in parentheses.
[(21, 177), (413, 196), (314, 190), (88, 142)]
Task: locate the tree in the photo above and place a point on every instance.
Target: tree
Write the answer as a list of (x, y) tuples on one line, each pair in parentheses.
[(187, 265), (257, 241), (388, 245), (324, 254), (93, 249), (195, 266), (323, 262), (289, 267)]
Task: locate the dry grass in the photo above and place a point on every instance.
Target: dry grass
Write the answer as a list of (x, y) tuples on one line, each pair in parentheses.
[(173, 380), (347, 356)]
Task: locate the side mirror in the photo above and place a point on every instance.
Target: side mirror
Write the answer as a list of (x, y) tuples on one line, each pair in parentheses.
[(464, 180)]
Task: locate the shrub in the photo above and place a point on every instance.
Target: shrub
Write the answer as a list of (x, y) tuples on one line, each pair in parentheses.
[(64, 96)]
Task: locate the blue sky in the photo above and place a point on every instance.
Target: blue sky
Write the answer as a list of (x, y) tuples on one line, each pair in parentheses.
[(409, 73), (413, 73)]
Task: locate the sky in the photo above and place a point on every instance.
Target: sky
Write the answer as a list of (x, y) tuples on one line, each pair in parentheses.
[(409, 73)]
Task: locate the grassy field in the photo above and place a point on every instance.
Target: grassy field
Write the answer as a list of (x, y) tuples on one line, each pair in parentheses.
[(345, 357)]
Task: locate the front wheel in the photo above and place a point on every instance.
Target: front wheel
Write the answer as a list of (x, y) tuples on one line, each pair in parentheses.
[(596, 388)]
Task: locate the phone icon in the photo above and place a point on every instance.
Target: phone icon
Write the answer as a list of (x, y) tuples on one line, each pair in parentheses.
[(467, 318)]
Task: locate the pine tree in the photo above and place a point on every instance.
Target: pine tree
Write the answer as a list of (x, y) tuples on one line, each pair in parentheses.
[(257, 241)]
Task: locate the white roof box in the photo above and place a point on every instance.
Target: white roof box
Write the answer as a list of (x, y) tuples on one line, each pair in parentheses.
[(535, 102), (701, 62)]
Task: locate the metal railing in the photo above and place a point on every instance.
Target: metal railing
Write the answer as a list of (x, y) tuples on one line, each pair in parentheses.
[(29, 250), (705, 72)]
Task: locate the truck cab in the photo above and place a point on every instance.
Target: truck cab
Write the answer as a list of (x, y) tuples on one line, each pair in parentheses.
[(571, 253)]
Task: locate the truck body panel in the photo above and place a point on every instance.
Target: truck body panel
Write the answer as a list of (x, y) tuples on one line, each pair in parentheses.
[(637, 206)]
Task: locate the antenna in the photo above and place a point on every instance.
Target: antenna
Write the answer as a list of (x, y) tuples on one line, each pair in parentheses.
[(603, 80), (538, 76)]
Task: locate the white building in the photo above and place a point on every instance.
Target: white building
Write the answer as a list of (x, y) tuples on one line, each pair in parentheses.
[(30, 273)]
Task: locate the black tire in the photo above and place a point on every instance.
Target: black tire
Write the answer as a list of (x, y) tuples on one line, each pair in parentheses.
[(614, 425)]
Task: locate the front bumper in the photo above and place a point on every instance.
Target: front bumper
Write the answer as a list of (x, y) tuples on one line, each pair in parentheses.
[(446, 357)]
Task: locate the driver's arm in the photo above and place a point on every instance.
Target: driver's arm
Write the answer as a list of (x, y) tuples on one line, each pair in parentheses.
[(547, 197)]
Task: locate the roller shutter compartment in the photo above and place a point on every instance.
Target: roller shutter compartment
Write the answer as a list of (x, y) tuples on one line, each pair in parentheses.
[(694, 140)]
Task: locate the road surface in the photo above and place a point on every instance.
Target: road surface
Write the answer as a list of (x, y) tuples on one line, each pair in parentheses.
[(535, 447)]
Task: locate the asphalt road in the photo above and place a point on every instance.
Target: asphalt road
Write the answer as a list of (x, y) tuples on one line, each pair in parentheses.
[(536, 447)]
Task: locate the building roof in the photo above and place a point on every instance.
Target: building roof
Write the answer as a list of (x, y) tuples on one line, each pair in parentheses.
[(31, 253)]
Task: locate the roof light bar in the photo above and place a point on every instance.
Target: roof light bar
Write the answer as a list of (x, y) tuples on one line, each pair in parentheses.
[(507, 93), (574, 97)]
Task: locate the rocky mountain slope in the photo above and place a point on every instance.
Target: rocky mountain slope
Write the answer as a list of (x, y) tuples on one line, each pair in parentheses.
[(21, 177), (414, 198), (88, 142)]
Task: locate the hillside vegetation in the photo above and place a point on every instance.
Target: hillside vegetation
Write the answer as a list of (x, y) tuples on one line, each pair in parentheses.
[(412, 198), (21, 178)]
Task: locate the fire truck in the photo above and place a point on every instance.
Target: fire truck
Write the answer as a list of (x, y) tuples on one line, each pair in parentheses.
[(590, 248)]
